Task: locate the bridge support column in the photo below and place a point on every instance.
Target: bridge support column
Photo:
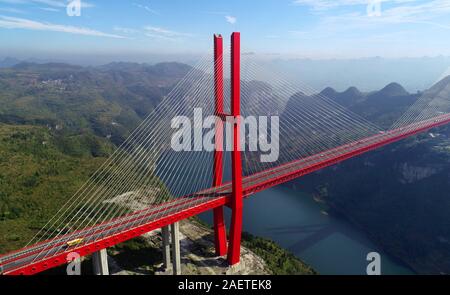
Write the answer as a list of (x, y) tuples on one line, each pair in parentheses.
[(220, 233), (176, 255), (100, 263), (234, 248), (165, 232)]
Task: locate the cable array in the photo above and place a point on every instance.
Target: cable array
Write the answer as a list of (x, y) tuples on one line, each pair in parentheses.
[(145, 179)]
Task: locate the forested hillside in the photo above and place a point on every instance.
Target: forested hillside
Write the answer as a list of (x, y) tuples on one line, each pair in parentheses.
[(399, 195), (39, 171), (58, 123)]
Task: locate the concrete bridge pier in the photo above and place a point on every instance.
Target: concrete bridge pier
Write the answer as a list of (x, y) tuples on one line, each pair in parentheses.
[(165, 232), (100, 263), (176, 256)]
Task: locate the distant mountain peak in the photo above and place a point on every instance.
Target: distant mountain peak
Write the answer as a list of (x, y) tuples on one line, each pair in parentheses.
[(445, 80), (25, 65), (329, 92), (121, 65), (440, 86), (8, 62), (393, 89), (353, 91)]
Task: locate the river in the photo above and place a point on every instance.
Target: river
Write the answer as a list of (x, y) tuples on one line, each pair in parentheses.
[(298, 223)]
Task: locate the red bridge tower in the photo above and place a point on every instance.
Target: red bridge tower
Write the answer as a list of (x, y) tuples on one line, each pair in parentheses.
[(236, 203)]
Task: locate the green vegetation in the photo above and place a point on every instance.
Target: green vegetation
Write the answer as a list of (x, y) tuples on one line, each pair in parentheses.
[(398, 195), (108, 101), (137, 255), (278, 260), (37, 176), (134, 255), (58, 124)]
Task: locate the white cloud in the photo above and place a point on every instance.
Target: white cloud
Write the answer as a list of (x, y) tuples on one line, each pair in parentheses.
[(161, 33), (327, 4), (50, 3), (62, 3), (231, 19), (146, 8), (321, 5), (125, 30), (51, 9), (421, 13), (21, 23), (403, 12), (11, 10), (13, 1)]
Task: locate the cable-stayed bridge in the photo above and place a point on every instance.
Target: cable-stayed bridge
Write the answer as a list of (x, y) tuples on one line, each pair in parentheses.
[(148, 184)]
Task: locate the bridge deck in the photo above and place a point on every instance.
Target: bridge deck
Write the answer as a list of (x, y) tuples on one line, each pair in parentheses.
[(52, 253)]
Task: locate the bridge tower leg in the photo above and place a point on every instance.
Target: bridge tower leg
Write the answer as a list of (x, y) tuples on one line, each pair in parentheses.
[(176, 256), (234, 248), (165, 232), (100, 263), (220, 234)]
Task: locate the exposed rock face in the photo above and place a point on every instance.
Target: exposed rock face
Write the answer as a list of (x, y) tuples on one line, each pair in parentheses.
[(197, 247), (398, 194), (198, 244), (197, 255)]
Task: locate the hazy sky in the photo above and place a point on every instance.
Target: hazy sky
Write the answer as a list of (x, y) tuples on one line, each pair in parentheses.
[(301, 28)]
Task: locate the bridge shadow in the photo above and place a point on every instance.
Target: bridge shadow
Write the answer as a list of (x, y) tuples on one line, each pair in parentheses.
[(199, 252), (138, 261), (313, 234)]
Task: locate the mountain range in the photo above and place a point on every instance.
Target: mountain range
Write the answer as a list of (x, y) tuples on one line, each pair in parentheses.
[(108, 101), (58, 121), (398, 194)]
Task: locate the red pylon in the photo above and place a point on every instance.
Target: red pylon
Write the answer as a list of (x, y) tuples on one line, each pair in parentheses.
[(234, 249), (220, 234)]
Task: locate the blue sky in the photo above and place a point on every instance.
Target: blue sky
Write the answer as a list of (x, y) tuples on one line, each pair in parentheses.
[(300, 28)]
